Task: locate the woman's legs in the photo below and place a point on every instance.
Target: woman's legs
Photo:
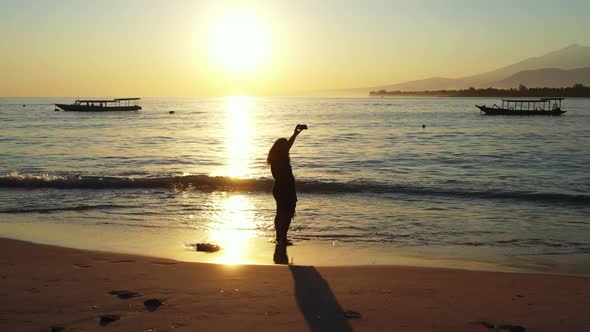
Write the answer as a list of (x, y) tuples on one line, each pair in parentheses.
[(285, 228), (280, 254), (283, 221), (285, 213), (278, 227)]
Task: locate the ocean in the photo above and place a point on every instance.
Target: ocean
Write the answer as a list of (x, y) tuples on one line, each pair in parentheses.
[(514, 191)]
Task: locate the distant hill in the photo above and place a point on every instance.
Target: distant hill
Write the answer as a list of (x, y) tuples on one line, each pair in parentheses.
[(547, 77), (568, 58)]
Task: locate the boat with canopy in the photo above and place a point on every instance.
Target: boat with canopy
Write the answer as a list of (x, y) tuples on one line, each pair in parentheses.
[(539, 106), (102, 105)]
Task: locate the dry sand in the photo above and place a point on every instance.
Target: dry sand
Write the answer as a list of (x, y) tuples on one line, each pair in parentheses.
[(43, 286)]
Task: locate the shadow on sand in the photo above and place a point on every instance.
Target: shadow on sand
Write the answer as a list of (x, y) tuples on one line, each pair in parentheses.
[(314, 296), (317, 302)]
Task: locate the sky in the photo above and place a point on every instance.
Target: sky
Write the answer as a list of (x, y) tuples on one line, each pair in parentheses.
[(183, 48)]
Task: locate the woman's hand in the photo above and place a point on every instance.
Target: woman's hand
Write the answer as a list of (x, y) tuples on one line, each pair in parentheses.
[(299, 128)]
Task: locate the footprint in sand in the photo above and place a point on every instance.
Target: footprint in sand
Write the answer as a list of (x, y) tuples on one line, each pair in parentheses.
[(176, 325), (349, 314), (123, 261), (152, 304), (124, 294), (503, 327), (107, 319), (164, 263)]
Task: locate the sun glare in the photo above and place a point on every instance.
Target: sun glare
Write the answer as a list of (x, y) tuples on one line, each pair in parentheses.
[(239, 42)]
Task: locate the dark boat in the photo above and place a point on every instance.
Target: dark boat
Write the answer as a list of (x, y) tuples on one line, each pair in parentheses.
[(102, 105), (541, 106)]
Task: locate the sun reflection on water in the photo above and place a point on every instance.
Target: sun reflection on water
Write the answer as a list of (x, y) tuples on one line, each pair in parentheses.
[(238, 137), (233, 227)]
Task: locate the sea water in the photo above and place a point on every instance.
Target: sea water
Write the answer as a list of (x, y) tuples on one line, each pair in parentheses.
[(369, 176)]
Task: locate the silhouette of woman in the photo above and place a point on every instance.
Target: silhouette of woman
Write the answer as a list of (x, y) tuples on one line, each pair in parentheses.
[(284, 186)]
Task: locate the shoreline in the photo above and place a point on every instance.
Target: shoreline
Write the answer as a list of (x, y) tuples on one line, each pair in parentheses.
[(44, 286), (250, 249)]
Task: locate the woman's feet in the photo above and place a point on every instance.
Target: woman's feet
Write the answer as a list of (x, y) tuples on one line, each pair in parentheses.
[(280, 255)]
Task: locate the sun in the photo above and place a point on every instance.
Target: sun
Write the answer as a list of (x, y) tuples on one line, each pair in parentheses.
[(239, 42)]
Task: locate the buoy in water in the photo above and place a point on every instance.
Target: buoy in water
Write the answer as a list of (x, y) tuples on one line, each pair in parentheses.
[(423, 126), (171, 112)]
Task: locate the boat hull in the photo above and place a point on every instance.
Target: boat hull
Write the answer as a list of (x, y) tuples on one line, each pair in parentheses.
[(503, 111), (85, 108)]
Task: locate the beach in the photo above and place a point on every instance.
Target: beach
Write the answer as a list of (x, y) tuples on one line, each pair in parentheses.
[(47, 286)]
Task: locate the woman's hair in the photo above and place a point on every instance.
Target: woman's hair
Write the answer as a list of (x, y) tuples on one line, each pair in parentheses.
[(279, 151)]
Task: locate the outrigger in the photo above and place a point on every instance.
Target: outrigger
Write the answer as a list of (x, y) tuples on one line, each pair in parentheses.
[(541, 106), (102, 105)]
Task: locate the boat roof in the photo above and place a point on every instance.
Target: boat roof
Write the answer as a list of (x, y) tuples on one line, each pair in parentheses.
[(534, 100), (95, 100), (105, 100)]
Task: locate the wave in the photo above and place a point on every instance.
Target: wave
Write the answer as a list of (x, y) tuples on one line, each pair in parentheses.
[(220, 183), (61, 209), (17, 180)]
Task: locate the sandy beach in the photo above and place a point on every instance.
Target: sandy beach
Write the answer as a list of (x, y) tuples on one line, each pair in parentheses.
[(47, 287)]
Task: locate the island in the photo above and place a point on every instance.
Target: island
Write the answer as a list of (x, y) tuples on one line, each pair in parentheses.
[(577, 90)]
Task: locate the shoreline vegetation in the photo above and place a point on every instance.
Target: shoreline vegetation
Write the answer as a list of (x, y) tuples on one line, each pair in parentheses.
[(577, 90), (52, 288)]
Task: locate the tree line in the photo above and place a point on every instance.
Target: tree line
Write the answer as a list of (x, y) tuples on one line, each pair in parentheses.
[(577, 90)]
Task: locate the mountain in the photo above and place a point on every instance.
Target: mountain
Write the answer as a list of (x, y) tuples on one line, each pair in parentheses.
[(568, 58), (547, 77)]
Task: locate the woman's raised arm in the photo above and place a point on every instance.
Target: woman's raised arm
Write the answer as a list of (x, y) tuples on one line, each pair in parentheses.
[(296, 132)]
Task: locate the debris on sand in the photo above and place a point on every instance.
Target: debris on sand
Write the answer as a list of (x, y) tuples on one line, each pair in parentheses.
[(205, 247)]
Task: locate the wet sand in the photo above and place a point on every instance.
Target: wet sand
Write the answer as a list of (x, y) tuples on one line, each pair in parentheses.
[(44, 287), (243, 248)]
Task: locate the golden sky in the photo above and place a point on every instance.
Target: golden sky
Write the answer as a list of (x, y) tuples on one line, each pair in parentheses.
[(272, 47)]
